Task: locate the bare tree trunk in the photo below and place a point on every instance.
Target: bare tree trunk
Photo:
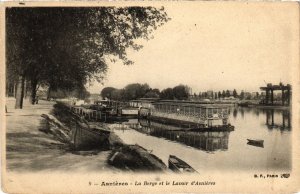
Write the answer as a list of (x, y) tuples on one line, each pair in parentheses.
[(48, 93), (33, 91), (25, 88), (19, 92), (15, 90), (7, 88)]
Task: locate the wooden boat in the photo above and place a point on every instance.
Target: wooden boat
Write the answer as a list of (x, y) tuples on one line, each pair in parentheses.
[(178, 165), (256, 142)]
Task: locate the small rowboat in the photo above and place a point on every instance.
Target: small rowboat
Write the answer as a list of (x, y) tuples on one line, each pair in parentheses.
[(256, 142), (180, 166)]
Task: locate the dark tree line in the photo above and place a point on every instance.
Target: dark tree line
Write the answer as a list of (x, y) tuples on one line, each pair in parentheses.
[(219, 94), (136, 91), (130, 92), (65, 48), (180, 92), (227, 93)]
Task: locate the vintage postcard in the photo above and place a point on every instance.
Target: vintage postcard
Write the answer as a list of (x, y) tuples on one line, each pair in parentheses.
[(150, 97)]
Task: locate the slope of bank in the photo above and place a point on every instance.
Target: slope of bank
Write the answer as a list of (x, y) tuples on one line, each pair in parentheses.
[(30, 149), (32, 144)]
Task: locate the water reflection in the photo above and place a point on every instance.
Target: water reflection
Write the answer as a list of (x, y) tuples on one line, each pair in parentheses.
[(283, 124), (274, 119), (208, 141), (229, 153)]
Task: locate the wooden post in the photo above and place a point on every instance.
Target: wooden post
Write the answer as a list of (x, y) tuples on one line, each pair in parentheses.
[(283, 120), (267, 96), (288, 96), (272, 97), (267, 117), (272, 117), (289, 120), (282, 97)]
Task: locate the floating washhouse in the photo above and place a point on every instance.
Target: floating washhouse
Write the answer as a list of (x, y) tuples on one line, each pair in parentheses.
[(203, 115)]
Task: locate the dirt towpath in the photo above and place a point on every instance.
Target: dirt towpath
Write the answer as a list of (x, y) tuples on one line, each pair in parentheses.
[(30, 149)]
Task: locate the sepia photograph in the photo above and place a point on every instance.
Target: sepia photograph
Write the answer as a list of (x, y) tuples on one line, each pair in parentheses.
[(150, 97)]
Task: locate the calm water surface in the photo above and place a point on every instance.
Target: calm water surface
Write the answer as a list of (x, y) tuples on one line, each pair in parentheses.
[(220, 150)]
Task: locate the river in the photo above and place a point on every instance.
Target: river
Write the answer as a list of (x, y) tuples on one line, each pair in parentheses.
[(220, 150)]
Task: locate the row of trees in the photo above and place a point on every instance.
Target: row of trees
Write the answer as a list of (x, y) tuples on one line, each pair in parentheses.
[(217, 95), (180, 92), (225, 94), (65, 48), (135, 91)]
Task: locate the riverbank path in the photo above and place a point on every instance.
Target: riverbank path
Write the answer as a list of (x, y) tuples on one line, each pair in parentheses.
[(30, 149)]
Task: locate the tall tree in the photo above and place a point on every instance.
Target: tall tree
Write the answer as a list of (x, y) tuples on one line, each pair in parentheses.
[(135, 91), (257, 95), (181, 92), (118, 95), (227, 93), (167, 94), (223, 94), (107, 92), (67, 47), (242, 95), (216, 95), (152, 93), (234, 93)]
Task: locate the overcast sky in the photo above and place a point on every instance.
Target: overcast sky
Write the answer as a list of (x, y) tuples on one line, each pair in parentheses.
[(214, 46)]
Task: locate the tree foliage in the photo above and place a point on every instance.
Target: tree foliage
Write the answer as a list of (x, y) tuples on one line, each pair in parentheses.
[(117, 95), (242, 95), (181, 92), (64, 48), (234, 93), (129, 92), (167, 94), (135, 91), (152, 93), (107, 92)]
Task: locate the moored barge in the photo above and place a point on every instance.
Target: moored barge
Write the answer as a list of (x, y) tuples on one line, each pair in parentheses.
[(198, 116)]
